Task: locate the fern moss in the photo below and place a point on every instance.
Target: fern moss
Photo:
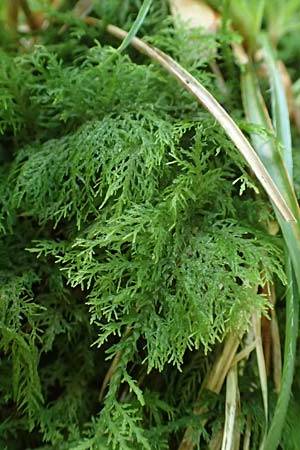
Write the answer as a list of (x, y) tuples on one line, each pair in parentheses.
[(127, 251)]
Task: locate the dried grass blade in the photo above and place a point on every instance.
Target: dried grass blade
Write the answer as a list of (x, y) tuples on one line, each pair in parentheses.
[(276, 352), (244, 354), (216, 441), (247, 434), (82, 8), (13, 7), (213, 382), (231, 409), (222, 364)]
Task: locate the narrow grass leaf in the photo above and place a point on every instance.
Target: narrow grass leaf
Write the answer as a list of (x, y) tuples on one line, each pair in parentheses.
[(280, 112), (268, 150), (256, 320), (136, 25), (291, 329), (281, 122)]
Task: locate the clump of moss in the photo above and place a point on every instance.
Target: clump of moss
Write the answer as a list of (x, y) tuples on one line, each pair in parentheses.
[(127, 250)]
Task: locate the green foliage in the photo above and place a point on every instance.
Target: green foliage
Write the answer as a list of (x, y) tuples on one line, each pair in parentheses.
[(124, 238)]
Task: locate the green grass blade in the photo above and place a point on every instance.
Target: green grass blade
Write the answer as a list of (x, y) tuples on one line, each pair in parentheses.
[(269, 152), (256, 320), (280, 112), (281, 17), (136, 25), (292, 318), (281, 122), (258, 9), (247, 17)]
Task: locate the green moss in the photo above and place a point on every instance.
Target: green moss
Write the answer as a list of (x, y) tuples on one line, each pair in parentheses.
[(123, 235)]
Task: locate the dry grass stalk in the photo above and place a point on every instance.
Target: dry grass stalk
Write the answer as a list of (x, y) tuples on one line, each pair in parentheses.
[(13, 7), (30, 17), (231, 409), (213, 382), (244, 354), (109, 374), (216, 441), (247, 434), (256, 321)]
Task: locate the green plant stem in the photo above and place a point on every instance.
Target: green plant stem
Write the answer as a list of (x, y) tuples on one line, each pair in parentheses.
[(292, 318), (268, 151), (280, 168), (280, 113), (281, 121)]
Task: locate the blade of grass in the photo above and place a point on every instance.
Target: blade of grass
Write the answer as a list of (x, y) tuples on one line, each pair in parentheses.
[(272, 343), (268, 151), (256, 320), (230, 409), (259, 9), (216, 441), (282, 126), (222, 364), (13, 7), (244, 354), (247, 18), (280, 112), (247, 434), (210, 103), (276, 352), (136, 25), (82, 8), (292, 317)]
